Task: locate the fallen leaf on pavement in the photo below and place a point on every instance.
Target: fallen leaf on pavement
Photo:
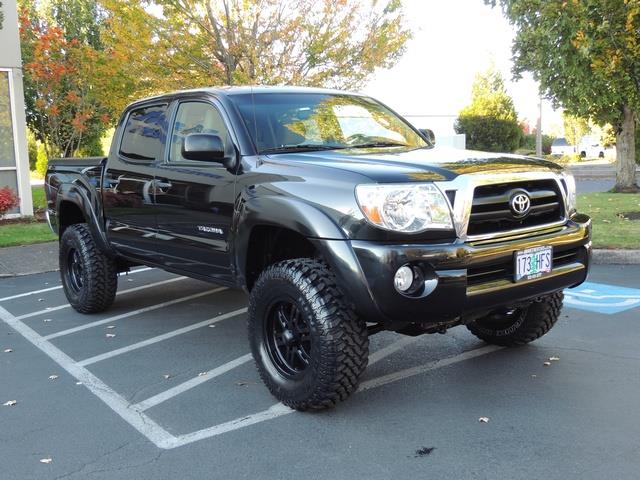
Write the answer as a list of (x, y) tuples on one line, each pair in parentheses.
[(53, 377), (46, 460), (10, 403), (483, 419)]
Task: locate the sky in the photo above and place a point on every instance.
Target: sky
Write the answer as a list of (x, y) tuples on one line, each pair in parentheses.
[(452, 41)]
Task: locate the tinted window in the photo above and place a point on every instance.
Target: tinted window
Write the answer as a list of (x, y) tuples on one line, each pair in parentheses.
[(197, 117), (145, 133), (277, 121)]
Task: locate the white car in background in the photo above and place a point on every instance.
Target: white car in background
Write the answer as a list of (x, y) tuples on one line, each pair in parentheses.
[(561, 147), (590, 147)]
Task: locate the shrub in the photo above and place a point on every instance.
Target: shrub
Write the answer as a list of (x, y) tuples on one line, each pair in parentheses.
[(488, 133), (42, 163), (528, 142), (32, 147), (8, 200)]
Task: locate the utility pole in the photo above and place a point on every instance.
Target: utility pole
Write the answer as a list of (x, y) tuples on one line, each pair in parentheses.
[(539, 129)]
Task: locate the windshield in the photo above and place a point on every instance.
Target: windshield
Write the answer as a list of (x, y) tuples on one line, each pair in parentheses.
[(285, 122)]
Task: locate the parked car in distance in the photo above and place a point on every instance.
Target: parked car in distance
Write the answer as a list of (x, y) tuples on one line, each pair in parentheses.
[(561, 147), (590, 147), (334, 214)]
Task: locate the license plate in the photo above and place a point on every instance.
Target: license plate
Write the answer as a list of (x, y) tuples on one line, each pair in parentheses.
[(532, 263)]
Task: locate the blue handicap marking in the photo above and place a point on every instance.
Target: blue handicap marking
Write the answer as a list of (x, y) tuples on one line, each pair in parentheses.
[(602, 298)]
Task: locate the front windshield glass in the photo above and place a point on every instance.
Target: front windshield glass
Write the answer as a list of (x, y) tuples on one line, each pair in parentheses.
[(285, 122)]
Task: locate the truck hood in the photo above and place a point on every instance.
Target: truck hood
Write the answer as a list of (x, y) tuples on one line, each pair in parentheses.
[(388, 165)]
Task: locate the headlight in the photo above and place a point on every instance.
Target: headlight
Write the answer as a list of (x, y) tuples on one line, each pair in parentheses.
[(407, 208), (570, 185)]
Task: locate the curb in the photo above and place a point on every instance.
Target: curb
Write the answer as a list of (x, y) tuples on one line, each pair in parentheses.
[(616, 257)]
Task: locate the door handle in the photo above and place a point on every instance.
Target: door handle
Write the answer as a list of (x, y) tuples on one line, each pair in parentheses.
[(164, 184)]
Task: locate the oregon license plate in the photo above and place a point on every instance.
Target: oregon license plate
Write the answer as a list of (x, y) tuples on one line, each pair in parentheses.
[(532, 263)]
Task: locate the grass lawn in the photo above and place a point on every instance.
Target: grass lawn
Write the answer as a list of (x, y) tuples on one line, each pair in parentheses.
[(39, 201), (25, 233), (29, 231), (610, 228)]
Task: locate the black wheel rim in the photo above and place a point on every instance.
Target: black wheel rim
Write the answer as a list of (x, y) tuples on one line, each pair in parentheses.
[(288, 338), (75, 270)]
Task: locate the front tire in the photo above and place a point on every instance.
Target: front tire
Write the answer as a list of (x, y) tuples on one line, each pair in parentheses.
[(89, 277), (308, 345), (521, 325)]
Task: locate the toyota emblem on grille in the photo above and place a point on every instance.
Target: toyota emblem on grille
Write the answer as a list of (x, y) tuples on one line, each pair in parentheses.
[(520, 204)]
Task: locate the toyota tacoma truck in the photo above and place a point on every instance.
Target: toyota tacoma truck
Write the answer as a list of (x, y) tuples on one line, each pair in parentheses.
[(336, 216)]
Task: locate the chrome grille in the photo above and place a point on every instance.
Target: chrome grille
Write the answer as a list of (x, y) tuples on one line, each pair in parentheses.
[(491, 213)]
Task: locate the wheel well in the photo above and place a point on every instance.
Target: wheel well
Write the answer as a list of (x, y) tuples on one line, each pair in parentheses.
[(69, 214), (268, 245)]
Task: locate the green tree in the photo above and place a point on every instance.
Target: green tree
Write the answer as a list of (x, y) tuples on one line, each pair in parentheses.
[(586, 56), (490, 121), (574, 128), (70, 76), (331, 43)]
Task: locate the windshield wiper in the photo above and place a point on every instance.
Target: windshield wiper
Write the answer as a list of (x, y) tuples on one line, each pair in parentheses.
[(303, 147), (378, 144)]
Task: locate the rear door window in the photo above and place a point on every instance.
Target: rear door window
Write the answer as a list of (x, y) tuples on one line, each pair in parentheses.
[(145, 133)]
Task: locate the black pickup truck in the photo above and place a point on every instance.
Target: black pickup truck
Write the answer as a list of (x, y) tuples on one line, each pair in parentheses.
[(338, 218)]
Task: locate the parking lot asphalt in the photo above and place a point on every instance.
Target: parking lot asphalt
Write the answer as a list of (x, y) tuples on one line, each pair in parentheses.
[(162, 386)]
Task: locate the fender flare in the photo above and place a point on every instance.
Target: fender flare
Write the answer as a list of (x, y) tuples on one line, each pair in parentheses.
[(276, 211), (86, 199)]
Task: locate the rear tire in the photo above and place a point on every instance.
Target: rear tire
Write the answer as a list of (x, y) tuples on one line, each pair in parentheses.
[(308, 345), (522, 325), (89, 277)]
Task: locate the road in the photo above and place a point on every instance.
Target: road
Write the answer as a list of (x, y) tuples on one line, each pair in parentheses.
[(161, 386)]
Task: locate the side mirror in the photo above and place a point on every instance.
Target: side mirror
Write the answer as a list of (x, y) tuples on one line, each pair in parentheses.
[(203, 147), (428, 134)]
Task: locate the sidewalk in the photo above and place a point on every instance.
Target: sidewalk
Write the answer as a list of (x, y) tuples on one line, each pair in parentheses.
[(43, 257), (594, 169), (28, 259)]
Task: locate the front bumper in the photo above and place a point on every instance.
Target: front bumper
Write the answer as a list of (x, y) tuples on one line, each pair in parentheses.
[(473, 277)]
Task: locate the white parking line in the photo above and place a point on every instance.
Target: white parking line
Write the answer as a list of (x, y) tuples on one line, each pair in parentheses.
[(133, 415), (142, 423), (211, 374), (122, 292), (279, 409), (189, 384), (132, 313), (160, 338), (58, 287)]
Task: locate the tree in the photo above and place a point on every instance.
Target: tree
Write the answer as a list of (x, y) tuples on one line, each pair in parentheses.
[(490, 122), (586, 56), (69, 77), (331, 43), (574, 128)]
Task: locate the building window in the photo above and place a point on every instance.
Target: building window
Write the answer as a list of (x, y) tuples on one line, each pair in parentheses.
[(8, 159)]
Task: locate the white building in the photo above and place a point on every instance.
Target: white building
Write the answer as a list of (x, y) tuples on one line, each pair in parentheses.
[(14, 159)]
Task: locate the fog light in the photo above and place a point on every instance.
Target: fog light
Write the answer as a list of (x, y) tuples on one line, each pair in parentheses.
[(403, 278)]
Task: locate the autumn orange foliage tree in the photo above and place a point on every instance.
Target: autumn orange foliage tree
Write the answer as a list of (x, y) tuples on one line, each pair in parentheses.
[(68, 84)]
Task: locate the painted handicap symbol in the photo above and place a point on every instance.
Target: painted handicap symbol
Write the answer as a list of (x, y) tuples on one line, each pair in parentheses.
[(602, 298)]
